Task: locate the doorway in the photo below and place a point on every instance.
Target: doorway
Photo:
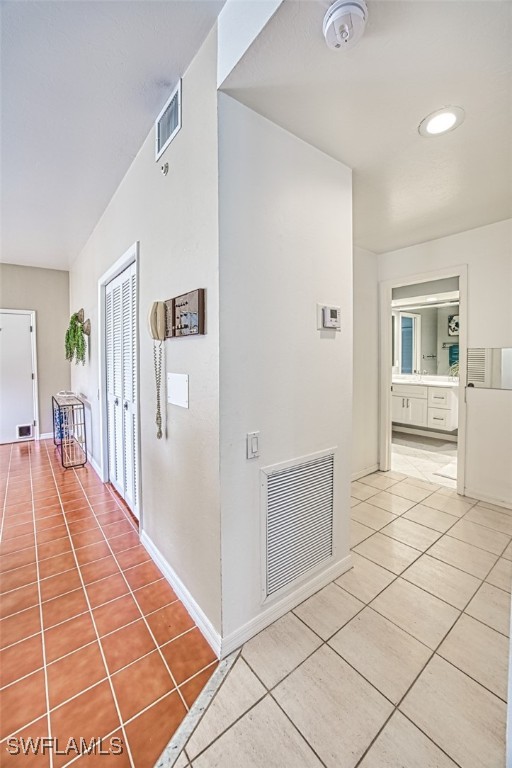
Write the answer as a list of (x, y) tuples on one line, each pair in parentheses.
[(423, 343), (119, 374), (18, 376)]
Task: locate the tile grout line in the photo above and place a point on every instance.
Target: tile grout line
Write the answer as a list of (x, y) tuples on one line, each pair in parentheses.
[(43, 642), (107, 634), (435, 650), (69, 591), (4, 507), (444, 533), (131, 592), (120, 506), (90, 687), (46, 559), (368, 605), (401, 575), (112, 689), (325, 642), (433, 654), (84, 565)]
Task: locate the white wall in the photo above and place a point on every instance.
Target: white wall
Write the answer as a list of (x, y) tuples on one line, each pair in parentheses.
[(285, 244), (175, 218), (487, 252), (47, 292), (365, 409), (239, 24)]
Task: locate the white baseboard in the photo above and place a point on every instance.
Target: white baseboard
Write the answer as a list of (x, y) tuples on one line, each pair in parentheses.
[(45, 435), (203, 622), (425, 433), (364, 472), (222, 647), (94, 465), (474, 494), (240, 636)]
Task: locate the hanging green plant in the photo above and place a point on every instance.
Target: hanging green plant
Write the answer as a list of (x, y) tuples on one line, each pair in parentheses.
[(75, 340)]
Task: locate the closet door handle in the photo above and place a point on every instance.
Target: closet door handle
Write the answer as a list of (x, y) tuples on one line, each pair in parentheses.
[(403, 402), (126, 405), (116, 401)]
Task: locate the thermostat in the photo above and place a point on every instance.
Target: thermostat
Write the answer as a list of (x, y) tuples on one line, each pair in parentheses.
[(331, 318)]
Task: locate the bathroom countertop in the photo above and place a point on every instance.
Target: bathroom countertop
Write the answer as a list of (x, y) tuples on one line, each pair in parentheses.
[(426, 381)]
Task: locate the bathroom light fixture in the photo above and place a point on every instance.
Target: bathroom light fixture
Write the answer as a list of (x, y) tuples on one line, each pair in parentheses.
[(441, 121), (344, 23)]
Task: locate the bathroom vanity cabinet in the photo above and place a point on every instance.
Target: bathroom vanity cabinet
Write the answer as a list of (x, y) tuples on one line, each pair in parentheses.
[(425, 405)]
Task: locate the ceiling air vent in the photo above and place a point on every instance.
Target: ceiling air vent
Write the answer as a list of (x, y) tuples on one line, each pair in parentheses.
[(299, 503), (168, 122)]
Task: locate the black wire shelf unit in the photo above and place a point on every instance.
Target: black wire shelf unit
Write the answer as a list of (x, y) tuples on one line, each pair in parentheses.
[(69, 434)]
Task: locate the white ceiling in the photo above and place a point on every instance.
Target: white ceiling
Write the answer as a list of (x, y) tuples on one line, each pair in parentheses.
[(82, 83), (363, 106)]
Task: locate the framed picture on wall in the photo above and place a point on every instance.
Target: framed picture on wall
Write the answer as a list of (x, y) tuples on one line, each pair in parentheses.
[(453, 325)]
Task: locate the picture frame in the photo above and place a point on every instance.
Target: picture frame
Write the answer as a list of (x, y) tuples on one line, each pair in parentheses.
[(453, 325)]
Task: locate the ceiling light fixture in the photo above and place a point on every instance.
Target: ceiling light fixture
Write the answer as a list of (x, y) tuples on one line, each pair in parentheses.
[(344, 23), (442, 121)]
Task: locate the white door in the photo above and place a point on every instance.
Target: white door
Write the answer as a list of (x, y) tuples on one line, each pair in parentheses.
[(16, 377), (121, 367)]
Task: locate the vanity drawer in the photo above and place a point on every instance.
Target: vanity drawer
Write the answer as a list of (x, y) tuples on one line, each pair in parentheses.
[(439, 398), (410, 390), (439, 419)]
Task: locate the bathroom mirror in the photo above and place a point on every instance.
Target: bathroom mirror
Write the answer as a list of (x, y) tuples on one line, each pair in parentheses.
[(426, 339), (490, 367)]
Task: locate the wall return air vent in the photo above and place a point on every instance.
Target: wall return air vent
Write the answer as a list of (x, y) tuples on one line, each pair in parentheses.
[(298, 502), (168, 122)]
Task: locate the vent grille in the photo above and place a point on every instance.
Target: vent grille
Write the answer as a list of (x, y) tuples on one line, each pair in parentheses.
[(477, 359), (168, 122), (299, 520)]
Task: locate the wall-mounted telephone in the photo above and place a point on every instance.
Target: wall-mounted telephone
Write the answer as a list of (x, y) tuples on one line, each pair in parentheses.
[(156, 322)]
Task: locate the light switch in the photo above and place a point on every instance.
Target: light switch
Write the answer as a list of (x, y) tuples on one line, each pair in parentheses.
[(253, 445)]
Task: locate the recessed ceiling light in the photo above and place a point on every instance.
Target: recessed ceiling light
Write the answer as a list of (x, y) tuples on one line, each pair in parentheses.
[(442, 121)]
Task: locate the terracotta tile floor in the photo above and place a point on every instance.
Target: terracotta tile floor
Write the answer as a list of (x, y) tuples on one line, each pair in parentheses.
[(93, 641)]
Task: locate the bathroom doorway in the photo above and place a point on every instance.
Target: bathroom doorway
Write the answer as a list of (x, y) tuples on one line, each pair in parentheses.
[(423, 333)]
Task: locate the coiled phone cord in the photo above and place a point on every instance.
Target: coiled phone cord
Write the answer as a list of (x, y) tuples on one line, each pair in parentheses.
[(157, 358)]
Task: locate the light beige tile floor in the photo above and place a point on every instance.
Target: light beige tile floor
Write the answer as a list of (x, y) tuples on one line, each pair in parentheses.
[(422, 458), (401, 661)]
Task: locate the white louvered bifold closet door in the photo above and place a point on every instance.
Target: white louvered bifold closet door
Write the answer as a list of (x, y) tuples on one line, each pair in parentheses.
[(121, 352)]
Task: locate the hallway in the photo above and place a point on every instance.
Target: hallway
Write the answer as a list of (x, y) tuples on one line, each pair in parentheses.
[(94, 643), (402, 661)]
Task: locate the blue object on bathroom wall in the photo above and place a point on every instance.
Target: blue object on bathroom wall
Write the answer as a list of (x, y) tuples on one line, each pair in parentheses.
[(453, 354)]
